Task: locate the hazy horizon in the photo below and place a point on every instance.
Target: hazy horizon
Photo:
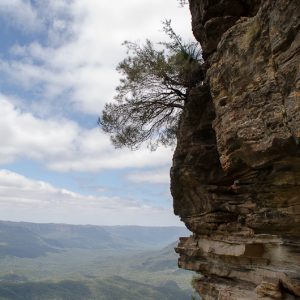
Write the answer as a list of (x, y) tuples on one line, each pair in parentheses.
[(98, 225)]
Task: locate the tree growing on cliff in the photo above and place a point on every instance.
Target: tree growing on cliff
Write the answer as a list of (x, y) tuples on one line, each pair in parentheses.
[(183, 2), (152, 91)]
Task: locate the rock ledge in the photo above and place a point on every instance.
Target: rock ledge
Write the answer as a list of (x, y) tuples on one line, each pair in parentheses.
[(235, 178)]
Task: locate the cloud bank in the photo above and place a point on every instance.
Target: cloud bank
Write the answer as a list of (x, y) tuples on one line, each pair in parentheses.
[(75, 62), (62, 145), (36, 201), (57, 69)]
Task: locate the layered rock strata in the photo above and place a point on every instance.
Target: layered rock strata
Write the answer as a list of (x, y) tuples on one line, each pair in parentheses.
[(235, 178)]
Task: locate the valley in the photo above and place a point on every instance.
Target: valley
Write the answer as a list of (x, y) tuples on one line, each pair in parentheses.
[(57, 261)]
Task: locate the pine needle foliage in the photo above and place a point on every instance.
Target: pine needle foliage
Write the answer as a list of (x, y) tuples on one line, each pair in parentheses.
[(152, 91), (183, 2)]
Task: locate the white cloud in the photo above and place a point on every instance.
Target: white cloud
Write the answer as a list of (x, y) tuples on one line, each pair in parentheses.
[(20, 14), (63, 145), (83, 47), (24, 199), (160, 176), (65, 63)]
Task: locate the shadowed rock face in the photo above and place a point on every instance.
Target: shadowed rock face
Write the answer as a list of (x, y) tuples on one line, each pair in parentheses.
[(235, 178), (211, 18)]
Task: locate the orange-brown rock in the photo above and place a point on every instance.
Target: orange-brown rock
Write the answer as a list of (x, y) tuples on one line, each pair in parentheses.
[(235, 178)]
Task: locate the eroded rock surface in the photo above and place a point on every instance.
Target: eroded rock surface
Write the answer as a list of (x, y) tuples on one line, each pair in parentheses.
[(235, 178)]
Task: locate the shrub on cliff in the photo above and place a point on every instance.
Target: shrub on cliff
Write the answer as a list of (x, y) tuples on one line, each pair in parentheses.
[(183, 2), (152, 91)]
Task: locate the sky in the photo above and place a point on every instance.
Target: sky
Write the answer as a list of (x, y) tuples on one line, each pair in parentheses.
[(57, 70)]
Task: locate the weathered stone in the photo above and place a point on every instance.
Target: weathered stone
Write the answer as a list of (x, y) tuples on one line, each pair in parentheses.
[(210, 19), (235, 178), (269, 288)]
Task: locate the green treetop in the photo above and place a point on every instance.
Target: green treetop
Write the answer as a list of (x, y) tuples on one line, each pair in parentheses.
[(152, 91)]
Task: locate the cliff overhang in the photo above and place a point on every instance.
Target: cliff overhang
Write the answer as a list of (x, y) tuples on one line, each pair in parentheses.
[(235, 178)]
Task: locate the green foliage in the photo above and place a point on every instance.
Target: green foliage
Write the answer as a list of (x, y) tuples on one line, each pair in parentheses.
[(62, 290), (21, 242), (152, 91), (183, 2), (88, 260), (113, 288), (194, 282)]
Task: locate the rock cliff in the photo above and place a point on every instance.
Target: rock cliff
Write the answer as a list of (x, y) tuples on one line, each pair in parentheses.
[(235, 178)]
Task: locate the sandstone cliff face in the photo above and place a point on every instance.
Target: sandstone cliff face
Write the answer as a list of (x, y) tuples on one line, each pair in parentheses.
[(235, 178)]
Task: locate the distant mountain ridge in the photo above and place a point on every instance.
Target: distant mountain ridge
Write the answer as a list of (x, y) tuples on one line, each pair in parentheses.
[(113, 288), (63, 262), (23, 239)]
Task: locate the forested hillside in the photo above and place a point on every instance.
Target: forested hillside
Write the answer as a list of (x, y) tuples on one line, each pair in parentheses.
[(57, 261)]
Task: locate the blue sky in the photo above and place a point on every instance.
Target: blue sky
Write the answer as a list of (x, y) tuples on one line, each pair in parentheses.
[(57, 70)]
